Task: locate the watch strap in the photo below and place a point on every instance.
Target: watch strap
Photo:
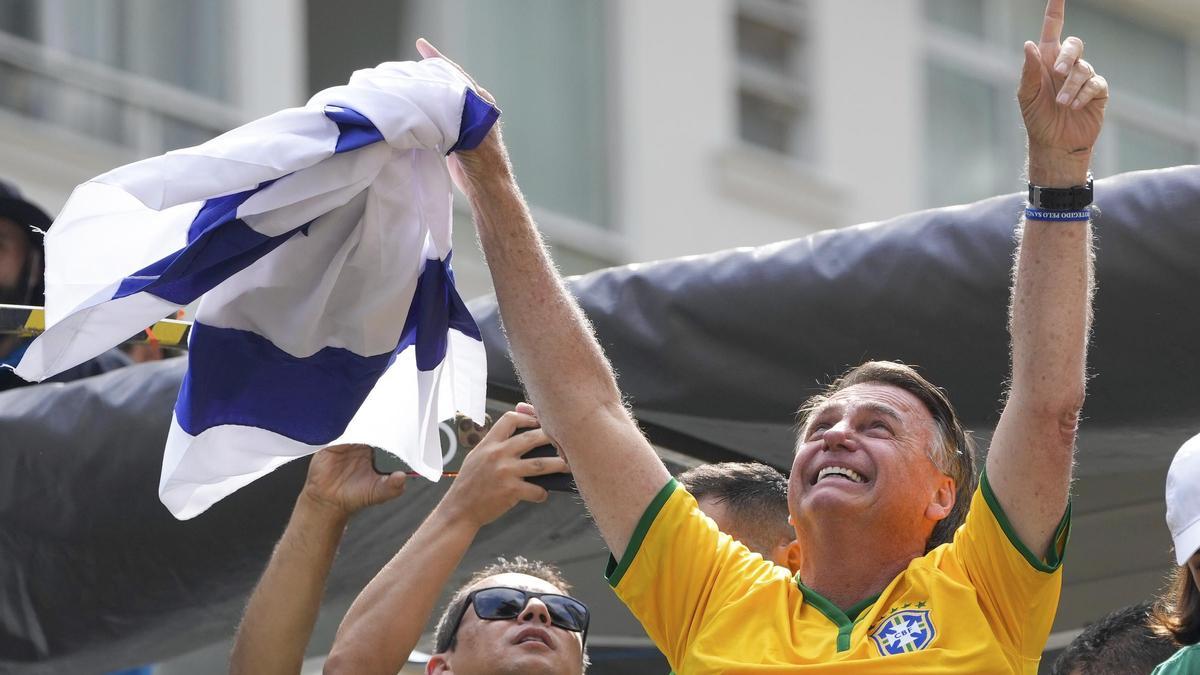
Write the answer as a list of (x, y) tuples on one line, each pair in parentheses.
[(1061, 199)]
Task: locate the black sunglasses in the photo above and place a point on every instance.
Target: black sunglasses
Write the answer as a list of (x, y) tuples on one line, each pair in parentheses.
[(499, 603)]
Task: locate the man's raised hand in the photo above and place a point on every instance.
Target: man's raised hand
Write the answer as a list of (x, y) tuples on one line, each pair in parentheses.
[(1062, 101), (490, 158), (342, 479), (492, 478)]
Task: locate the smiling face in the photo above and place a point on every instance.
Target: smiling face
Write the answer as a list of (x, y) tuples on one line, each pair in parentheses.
[(863, 462), (526, 644)]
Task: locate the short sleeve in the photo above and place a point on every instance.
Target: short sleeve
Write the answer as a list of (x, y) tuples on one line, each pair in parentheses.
[(1018, 590), (679, 567)]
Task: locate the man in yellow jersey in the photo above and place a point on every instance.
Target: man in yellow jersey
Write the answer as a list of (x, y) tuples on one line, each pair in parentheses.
[(875, 467)]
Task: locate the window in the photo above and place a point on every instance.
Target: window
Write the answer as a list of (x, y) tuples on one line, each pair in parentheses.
[(544, 61), (141, 73), (771, 68), (974, 139)]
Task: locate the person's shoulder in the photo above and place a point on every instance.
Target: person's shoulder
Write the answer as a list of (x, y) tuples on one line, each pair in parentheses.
[(1183, 662)]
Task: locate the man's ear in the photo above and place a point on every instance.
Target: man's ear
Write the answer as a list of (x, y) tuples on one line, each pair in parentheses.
[(438, 664), (793, 556), (942, 499)]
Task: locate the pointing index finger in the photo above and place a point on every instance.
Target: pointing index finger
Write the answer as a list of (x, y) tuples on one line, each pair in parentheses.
[(1052, 24)]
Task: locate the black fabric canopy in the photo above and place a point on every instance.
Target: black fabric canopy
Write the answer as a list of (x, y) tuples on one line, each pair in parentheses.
[(715, 352)]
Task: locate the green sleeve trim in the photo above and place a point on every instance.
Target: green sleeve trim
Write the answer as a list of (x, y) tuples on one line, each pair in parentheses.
[(616, 571), (1058, 545)]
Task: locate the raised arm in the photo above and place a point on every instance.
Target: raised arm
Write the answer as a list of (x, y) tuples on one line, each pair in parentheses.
[(1029, 464), (386, 620), (283, 608), (557, 357)]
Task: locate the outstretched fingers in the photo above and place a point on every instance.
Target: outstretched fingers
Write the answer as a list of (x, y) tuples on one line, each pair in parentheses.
[(1052, 23), (427, 51)]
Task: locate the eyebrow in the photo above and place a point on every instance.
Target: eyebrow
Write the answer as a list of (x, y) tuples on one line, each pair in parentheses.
[(871, 406), (882, 409)]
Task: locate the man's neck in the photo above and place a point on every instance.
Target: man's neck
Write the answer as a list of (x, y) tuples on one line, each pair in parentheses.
[(847, 566)]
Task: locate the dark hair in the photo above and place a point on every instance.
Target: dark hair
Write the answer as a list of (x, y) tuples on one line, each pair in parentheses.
[(756, 495), (445, 636), (953, 451), (33, 221), (1121, 643), (1177, 612)]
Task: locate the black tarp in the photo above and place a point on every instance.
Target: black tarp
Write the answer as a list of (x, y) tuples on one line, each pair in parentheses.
[(715, 352)]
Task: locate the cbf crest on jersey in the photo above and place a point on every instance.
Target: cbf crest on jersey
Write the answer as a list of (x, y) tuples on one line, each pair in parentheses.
[(906, 630)]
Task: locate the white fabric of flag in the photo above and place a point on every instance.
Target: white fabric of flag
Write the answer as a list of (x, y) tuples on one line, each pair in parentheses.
[(318, 240)]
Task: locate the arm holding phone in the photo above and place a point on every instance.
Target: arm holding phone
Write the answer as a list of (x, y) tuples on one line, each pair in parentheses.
[(386, 620), (279, 618)]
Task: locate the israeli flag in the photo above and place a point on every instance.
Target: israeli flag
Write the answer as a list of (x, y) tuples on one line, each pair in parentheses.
[(318, 242)]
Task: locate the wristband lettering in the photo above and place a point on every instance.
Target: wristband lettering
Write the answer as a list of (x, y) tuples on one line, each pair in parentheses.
[(1057, 216)]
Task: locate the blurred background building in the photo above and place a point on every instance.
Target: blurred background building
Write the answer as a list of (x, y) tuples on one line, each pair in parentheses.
[(639, 130)]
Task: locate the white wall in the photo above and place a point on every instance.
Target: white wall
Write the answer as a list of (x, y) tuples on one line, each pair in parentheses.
[(686, 183)]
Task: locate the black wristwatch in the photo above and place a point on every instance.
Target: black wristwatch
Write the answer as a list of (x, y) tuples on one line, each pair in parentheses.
[(1061, 199)]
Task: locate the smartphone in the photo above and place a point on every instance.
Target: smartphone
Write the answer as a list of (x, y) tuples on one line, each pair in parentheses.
[(555, 482), (385, 462)]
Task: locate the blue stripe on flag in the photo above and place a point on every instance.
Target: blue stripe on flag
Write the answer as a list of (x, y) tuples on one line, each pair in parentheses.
[(436, 308), (219, 246), (478, 116), (354, 129), (220, 210), (219, 243), (200, 266), (240, 377)]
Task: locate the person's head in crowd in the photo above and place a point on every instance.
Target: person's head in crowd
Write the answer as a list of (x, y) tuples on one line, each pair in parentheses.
[(903, 443), (748, 501), (1178, 611), (513, 616), (1122, 643), (21, 253)]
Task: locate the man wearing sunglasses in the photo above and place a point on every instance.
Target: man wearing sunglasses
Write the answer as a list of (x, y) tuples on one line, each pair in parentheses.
[(510, 603), (512, 617), (385, 622)]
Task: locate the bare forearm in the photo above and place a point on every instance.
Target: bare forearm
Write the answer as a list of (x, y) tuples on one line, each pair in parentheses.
[(283, 608), (1029, 465), (385, 622), (552, 343), (564, 370), (1051, 301)]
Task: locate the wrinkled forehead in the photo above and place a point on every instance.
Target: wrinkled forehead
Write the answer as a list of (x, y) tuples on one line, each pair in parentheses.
[(884, 399), (517, 580)]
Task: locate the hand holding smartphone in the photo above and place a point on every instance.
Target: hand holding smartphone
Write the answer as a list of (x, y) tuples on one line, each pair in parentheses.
[(555, 482)]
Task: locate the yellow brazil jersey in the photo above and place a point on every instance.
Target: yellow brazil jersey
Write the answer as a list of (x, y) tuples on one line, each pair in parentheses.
[(981, 604)]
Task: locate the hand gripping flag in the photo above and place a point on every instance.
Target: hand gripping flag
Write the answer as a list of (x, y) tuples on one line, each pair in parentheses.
[(318, 242)]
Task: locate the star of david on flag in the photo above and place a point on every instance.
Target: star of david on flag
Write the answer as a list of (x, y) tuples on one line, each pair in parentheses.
[(907, 630), (318, 241)]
